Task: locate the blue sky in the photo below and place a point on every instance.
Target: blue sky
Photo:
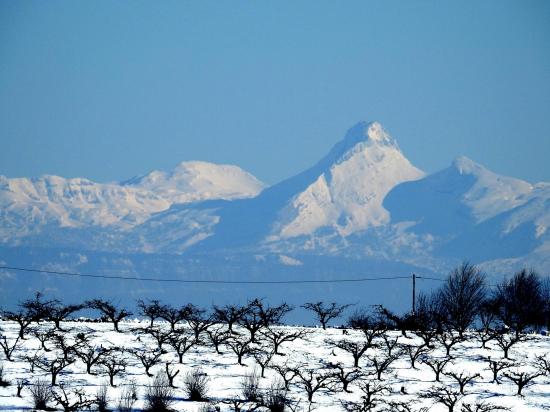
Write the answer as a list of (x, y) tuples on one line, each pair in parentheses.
[(108, 90)]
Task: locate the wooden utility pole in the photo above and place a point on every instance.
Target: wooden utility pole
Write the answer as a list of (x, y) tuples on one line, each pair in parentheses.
[(414, 295)]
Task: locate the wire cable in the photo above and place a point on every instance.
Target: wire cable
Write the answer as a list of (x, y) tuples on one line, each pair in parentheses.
[(174, 280)]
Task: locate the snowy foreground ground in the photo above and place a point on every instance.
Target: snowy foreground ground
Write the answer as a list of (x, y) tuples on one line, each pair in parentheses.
[(314, 351)]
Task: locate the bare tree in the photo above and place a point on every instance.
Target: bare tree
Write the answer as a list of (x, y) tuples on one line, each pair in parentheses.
[(389, 343), (37, 308), (181, 342), (218, 336), (263, 358), (20, 384), (43, 336), (505, 341), (448, 340), (91, 355), (402, 406), (170, 374), (371, 325), (51, 365), (427, 336), (487, 318), (521, 302), (462, 296), (279, 336), (369, 399), (345, 377), (286, 373), (23, 319), (68, 346), (259, 315), (197, 320), (461, 378), (313, 382), (57, 312), (542, 363), (496, 366), (522, 379), (404, 323), (229, 314), (381, 364), (354, 348), (160, 336), (151, 310), (147, 357), (109, 311), (436, 365), (240, 347), (252, 321), (72, 400), (115, 364), (430, 313), (325, 312), (415, 352), (237, 405), (173, 315), (271, 315), (9, 346), (444, 395)]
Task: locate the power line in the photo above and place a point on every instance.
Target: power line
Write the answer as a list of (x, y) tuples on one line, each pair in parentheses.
[(173, 280)]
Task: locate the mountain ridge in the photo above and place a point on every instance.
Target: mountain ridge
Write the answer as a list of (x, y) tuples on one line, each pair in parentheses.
[(363, 199)]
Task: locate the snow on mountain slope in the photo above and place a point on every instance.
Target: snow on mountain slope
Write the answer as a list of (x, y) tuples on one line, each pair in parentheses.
[(342, 193), (195, 181), (516, 233), (467, 211), (46, 204), (352, 182), (175, 230), (535, 210), (461, 196), (491, 194), (363, 200), (28, 205)]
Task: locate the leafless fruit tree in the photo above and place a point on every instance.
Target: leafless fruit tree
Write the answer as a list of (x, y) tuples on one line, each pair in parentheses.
[(326, 312), (109, 311)]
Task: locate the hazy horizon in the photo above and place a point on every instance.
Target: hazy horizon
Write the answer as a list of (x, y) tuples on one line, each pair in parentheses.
[(108, 91)]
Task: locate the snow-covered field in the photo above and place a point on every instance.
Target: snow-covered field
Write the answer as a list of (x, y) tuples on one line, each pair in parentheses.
[(314, 352)]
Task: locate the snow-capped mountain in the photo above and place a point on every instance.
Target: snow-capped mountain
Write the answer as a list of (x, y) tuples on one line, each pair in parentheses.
[(348, 186), (455, 198), (35, 206), (27, 206), (467, 211), (341, 194), (364, 200)]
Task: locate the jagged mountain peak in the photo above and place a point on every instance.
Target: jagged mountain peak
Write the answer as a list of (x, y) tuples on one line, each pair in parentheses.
[(364, 131), (345, 189), (361, 136)]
